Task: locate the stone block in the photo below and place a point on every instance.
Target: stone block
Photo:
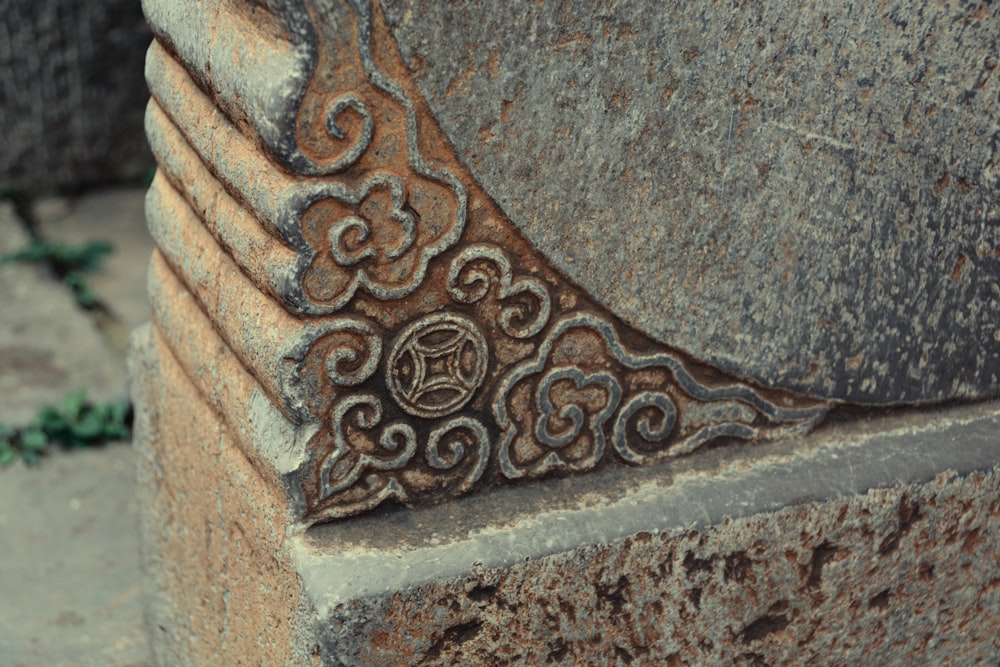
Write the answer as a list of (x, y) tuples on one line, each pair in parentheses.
[(800, 193), (860, 542), (219, 586), (381, 413)]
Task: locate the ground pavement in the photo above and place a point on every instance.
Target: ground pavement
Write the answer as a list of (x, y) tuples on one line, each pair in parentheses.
[(69, 566)]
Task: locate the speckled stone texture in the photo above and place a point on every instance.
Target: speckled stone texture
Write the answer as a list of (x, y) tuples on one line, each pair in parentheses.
[(807, 552), (900, 576), (798, 553), (218, 586), (71, 93), (802, 193), (382, 422)]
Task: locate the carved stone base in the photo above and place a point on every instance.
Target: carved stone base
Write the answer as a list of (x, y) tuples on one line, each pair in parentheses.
[(377, 296), (823, 556), (393, 423)]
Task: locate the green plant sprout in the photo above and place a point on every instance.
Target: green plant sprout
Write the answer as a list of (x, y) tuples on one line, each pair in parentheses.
[(73, 424), (70, 262)]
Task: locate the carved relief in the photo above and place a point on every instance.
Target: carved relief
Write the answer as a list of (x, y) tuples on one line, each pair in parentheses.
[(458, 359), (371, 461), (584, 389), (469, 282), (436, 365), (380, 236), (580, 398)]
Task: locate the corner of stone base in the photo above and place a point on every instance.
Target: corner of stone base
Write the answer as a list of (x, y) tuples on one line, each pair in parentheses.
[(219, 587), (874, 540)]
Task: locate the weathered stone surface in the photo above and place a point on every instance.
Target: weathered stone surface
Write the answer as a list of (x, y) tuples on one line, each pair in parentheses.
[(219, 587), (804, 194), (71, 93), (898, 576), (390, 303), (865, 539), (345, 323), (48, 346)]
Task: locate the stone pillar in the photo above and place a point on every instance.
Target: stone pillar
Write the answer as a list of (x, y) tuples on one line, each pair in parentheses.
[(407, 399)]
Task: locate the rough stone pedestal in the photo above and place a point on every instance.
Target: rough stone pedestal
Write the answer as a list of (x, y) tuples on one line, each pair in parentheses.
[(386, 419), (864, 542)]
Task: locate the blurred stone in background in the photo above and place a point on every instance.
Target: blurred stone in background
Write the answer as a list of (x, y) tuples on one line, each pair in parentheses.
[(72, 93)]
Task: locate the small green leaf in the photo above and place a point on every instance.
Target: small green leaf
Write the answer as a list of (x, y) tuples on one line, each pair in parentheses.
[(115, 431), (94, 253), (89, 426), (51, 420), (74, 423), (118, 412), (34, 439), (65, 258), (7, 456), (73, 403), (35, 251)]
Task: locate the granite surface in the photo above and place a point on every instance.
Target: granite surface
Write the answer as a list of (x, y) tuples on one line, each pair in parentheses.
[(868, 538), (804, 194), (897, 576)]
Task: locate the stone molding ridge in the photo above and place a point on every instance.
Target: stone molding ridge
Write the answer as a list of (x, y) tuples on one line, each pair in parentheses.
[(386, 300)]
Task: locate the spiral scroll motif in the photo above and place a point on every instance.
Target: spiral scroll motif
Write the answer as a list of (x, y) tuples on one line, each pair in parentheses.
[(402, 325), (469, 281)]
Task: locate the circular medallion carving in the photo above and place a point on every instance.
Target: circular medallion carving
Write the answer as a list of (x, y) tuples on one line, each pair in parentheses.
[(436, 364)]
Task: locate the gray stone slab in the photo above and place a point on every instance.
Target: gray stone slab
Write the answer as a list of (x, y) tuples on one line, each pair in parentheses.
[(377, 555), (117, 216), (805, 194), (70, 566), (48, 346), (902, 575), (869, 537)]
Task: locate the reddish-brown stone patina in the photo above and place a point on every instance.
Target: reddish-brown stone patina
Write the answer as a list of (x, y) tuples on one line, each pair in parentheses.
[(345, 323), (393, 302)]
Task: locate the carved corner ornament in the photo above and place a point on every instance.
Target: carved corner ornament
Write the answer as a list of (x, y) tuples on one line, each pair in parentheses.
[(438, 353)]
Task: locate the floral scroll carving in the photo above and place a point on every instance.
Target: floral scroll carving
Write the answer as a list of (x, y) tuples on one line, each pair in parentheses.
[(599, 391), (430, 350), (581, 398), (394, 209), (492, 379)]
